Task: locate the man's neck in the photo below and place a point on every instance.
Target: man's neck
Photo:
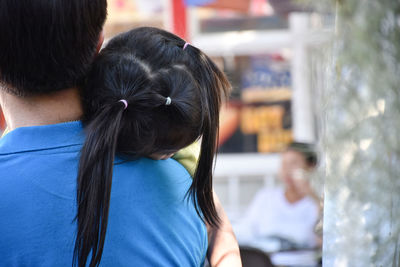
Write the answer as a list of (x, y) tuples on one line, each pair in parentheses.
[(292, 196), (53, 108)]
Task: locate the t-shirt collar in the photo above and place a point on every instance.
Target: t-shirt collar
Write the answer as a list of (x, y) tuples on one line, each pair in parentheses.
[(42, 137)]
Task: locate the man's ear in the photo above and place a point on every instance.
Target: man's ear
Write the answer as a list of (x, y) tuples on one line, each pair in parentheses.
[(100, 42)]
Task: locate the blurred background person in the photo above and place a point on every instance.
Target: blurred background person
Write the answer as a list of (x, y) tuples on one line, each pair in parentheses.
[(288, 213)]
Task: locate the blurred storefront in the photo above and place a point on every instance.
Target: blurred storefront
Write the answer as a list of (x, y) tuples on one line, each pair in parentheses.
[(258, 116)]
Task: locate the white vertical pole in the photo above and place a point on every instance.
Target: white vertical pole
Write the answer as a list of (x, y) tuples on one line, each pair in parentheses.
[(167, 15), (193, 23), (302, 111), (233, 194)]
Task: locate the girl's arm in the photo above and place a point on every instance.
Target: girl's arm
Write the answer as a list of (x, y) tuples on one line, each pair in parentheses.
[(223, 249)]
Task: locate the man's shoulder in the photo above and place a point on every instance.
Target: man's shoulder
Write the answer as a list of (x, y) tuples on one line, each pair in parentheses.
[(159, 175), (144, 166)]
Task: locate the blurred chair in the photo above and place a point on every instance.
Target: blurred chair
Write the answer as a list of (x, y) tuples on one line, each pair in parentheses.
[(253, 257)]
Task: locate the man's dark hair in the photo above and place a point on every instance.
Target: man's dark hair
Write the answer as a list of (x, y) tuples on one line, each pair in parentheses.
[(47, 45)]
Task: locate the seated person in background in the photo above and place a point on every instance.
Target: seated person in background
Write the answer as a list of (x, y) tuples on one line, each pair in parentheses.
[(290, 212)]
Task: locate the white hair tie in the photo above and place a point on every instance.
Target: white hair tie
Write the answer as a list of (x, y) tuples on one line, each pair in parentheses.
[(185, 45), (168, 101), (124, 102)]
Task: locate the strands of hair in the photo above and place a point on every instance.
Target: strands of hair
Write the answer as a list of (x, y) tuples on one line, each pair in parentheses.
[(146, 67)]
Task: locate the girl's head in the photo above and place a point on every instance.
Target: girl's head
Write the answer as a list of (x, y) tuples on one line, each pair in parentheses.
[(173, 93)]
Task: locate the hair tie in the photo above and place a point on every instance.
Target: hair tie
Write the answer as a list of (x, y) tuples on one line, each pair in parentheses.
[(168, 101), (125, 103), (186, 44)]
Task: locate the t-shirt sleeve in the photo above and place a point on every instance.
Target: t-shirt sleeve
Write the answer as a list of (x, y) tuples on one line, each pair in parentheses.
[(189, 157)]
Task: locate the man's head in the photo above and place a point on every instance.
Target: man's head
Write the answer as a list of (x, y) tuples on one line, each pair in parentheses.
[(47, 45), (297, 161)]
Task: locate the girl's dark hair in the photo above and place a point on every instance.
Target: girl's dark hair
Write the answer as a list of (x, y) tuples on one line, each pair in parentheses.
[(145, 66), (307, 150), (47, 46)]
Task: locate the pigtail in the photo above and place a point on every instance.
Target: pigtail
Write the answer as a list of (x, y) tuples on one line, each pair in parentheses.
[(94, 184), (213, 85), (201, 186)]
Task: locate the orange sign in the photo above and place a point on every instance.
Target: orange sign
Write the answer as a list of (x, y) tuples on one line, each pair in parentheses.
[(237, 5)]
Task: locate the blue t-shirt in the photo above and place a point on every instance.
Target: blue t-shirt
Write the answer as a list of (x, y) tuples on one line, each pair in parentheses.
[(151, 223)]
